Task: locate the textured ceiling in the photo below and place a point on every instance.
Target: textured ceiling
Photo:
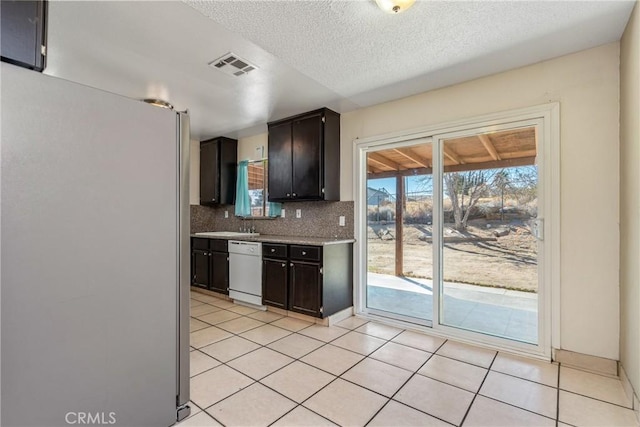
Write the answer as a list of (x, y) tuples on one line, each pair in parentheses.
[(340, 54), (357, 51)]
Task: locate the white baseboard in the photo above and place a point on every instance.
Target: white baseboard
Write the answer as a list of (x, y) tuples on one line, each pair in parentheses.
[(628, 388), (595, 364)]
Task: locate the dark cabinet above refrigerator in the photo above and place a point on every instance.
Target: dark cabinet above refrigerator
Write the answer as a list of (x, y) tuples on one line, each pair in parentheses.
[(218, 165), (23, 38), (304, 157)]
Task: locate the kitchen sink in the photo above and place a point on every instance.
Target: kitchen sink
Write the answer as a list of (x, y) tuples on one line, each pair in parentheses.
[(226, 234)]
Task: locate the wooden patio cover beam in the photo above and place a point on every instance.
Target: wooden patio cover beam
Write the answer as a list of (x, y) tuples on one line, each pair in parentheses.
[(506, 163), (451, 155), (489, 146), (413, 156), (384, 161)]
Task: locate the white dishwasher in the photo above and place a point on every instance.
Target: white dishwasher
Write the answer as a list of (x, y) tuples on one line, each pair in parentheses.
[(245, 271)]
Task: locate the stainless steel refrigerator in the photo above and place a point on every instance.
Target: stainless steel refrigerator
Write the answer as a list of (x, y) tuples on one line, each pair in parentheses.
[(94, 256)]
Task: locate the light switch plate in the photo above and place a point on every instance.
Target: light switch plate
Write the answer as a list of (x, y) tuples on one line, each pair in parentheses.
[(282, 213), (341, 221), (298, 213), (226, 214)]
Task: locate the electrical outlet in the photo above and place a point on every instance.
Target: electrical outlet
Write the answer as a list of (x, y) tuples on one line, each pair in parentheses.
[(226, 214), (298, 213), (282, 213), (341, 221)]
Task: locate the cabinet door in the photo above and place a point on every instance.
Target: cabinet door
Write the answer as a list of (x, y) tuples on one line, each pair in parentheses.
[(209, 180), (23, 33), (274, 283), (228, 168), (200, 268), (305, 288), (280, 162), (220, 272), (307, 158)]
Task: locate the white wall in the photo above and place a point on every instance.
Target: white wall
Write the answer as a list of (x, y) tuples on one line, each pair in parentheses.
[(630, 199), (247, 147), (587, 86)]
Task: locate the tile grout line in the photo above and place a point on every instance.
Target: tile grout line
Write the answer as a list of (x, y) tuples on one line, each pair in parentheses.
[(337, 377), (520, 378), (475, 395), (244, 388), (259, 381), (299, 405), (340, 375), (515, 406), (325, 343), (254, 381), (558, 397), (507, 403), (405, 383)]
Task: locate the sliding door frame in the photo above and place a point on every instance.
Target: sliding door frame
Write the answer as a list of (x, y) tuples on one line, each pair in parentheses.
[(546, 118), (362, 296)]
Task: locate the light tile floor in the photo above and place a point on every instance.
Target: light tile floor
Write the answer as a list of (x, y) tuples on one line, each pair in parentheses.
[(251, 368)]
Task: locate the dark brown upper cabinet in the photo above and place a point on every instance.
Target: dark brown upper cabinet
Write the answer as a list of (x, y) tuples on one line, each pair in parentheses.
[(218, 165), (23, 33), (304, 157)]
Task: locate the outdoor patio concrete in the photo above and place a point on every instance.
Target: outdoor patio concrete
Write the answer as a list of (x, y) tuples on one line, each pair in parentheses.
[(501, 312)]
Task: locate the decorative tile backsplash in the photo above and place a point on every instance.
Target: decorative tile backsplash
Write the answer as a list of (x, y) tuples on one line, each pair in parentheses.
[(319, 219)]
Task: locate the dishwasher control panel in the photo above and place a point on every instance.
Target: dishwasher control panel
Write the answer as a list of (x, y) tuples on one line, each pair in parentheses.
[(245, 248)]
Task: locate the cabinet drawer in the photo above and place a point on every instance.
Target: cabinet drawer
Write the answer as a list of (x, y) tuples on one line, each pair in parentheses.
[(305, 253), (274, 250), (197, 243), (219, 245)]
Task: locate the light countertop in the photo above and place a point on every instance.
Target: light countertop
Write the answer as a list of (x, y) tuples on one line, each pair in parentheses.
[(291, 240)]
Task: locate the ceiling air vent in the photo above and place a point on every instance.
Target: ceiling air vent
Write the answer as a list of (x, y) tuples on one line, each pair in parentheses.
[(232, 64)]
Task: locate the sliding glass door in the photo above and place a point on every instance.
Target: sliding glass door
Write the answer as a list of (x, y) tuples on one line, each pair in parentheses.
[(399, 216), (488, 244), (451, 232)]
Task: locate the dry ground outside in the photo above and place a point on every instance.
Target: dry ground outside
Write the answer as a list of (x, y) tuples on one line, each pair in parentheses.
[(508, 262)]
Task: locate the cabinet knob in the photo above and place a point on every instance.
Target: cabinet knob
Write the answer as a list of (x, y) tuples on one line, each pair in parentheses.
[(284, 264), (272, 250), (288, 194), (304, 253), (209, 253), (294, 194), (291, 264), (213, 200)]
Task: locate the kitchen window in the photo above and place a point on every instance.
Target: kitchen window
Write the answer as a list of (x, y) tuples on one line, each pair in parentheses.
[(258, 179)]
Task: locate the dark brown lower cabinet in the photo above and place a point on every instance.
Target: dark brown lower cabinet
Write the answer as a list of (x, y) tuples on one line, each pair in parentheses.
[(210, 264), (219, 272), (305, 287), (275, 279), (312, 280), (200, 268)]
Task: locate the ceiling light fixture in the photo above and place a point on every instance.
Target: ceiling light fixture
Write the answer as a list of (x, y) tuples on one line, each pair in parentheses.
[(395, 6), (158, 103)]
